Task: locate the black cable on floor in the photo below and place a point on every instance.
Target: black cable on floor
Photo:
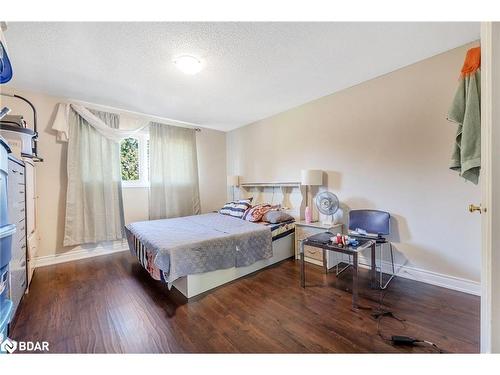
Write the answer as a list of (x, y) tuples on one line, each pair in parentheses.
[(380, 313)]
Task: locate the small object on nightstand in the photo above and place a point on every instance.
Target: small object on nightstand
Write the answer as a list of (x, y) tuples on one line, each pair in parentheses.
[(344, 240), (308, 215), (310, 177)]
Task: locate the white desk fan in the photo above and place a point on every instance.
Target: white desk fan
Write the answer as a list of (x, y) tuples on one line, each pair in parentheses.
[(327, 203)]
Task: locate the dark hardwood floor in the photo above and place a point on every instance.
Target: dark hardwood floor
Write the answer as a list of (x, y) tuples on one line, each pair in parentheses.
[(109, 304)]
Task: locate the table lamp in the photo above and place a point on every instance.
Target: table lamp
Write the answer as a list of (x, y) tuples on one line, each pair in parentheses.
[(310, 177)]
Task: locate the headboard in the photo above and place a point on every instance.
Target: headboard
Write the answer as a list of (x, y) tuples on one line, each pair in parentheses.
[(291, 195)]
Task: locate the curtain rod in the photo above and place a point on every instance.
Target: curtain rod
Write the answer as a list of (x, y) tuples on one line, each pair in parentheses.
[(168, 121)]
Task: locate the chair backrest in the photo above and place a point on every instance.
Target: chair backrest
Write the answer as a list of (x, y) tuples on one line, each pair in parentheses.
[(372, 221)]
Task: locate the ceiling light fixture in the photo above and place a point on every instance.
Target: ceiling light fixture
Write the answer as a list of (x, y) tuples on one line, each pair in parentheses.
[(188, 64)]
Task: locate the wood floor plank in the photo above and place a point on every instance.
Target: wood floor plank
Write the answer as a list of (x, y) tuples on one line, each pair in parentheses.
[(109, 304)]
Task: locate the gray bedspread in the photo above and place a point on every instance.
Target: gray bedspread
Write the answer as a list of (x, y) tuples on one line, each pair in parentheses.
[(202, 243)]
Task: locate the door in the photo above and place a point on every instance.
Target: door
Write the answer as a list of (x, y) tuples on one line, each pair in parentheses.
[(490, 187)]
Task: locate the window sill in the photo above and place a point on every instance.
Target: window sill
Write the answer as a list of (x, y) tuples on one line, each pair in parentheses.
[(134, 186)]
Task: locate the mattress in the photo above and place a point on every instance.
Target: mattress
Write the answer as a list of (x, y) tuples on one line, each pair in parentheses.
[(201, 243), (172, 248)]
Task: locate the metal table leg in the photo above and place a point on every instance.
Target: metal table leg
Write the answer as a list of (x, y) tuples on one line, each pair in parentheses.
[(302, 266), (373, 272), (355, 280), (325, 263)]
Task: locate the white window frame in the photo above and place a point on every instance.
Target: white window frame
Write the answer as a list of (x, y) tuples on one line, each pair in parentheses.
[(143, 181)]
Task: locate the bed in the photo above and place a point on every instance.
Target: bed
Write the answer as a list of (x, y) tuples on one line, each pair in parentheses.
[(197, 253)]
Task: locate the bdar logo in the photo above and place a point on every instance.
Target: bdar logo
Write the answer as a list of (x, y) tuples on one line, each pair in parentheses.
[(8, 346)]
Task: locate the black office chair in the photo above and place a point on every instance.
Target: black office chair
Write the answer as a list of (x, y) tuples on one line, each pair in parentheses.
[(376, 224)]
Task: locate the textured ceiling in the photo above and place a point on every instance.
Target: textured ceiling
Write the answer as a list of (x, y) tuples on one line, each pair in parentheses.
[(252, 70)]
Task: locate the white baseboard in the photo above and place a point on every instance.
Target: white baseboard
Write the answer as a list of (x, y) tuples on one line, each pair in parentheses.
[(81, 252), (429, 277)]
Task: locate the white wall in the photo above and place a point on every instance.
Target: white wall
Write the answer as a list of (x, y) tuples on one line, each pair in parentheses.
[(384, 144), (51, 174)]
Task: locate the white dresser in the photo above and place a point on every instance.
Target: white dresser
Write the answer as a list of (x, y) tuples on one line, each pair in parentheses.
[(313, 254), (31, 216), (16, 192), (22, 202)]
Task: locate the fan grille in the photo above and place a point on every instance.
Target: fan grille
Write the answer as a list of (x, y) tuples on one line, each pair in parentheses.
[(327, 203)]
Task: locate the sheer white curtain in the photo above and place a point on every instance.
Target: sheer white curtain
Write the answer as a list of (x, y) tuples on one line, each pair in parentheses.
[(174, 188), (94, 207)]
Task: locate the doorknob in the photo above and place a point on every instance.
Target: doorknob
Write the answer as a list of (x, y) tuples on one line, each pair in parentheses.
[(473, 208)]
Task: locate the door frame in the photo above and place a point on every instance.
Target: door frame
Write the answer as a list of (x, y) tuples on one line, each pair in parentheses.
[(490, 187)]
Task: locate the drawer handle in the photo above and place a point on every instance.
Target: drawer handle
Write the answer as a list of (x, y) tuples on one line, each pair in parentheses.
[(23, 284), (14, 171), (23, 263), (312, 251)]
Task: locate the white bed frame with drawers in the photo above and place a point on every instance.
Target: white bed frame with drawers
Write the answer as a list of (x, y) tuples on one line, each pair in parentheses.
[(290, 196)]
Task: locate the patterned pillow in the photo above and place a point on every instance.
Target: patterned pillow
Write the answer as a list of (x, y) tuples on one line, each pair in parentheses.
[(256, 212), (236, 208)]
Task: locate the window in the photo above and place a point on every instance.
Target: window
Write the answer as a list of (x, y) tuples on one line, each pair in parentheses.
[(134, 154), (129, 151)]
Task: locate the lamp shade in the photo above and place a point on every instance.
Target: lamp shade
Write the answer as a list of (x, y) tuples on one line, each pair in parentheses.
[(233, 180), (311, 177)]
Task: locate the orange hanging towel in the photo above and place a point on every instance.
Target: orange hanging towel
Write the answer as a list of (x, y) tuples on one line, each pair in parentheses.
[(472, 61)]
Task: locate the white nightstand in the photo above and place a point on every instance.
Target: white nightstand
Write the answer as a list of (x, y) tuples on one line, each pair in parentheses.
[(312, 254)]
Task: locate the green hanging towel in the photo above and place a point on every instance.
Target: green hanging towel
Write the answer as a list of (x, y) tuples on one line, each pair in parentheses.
[(466, 112)]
